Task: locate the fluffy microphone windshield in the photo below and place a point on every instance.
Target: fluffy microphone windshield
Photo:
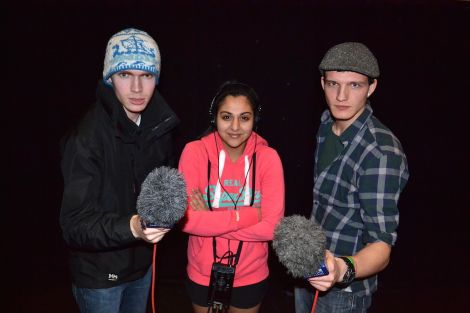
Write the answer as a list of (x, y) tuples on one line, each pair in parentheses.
[(300, 245), (162, 200)]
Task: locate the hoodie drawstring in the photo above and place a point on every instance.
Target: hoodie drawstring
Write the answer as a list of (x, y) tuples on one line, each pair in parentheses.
[(218, 188), (246, 202)]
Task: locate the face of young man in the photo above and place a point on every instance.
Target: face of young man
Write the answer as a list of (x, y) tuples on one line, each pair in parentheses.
[(134, 89), (346, 94), (235, 120)]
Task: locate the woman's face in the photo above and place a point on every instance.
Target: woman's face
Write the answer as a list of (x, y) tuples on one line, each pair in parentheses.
[(234, 122)]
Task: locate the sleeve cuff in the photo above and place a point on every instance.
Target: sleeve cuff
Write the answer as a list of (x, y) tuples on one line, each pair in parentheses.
[(388, 238)]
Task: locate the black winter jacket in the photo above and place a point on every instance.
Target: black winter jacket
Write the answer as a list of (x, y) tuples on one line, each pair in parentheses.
[(104, 162)]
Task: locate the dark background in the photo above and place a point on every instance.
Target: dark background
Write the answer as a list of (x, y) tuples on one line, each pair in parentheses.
[(54, 50)]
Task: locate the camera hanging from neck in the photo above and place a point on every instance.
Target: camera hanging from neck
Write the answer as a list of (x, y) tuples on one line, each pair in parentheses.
[(223, 274)]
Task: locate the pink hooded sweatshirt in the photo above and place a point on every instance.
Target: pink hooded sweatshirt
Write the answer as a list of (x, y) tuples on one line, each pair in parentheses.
[(228, 225)]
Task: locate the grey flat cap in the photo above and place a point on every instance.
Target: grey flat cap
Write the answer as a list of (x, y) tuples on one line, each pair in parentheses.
[(350, 56)]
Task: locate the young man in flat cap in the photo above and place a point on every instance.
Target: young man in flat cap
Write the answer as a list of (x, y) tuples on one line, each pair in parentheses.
[(360, 170), (125, 135)]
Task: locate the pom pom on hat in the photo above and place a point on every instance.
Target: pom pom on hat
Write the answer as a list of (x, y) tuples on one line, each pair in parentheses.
[(350, 56), (131, 49)]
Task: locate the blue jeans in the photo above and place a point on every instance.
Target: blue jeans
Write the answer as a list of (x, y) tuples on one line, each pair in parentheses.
[(130, 297), (333, 301)]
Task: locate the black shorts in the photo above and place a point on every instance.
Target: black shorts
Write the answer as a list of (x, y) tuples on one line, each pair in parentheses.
[(243, 297)]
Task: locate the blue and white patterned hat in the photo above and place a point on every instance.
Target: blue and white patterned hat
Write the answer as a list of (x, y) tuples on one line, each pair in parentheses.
[(131, 49)]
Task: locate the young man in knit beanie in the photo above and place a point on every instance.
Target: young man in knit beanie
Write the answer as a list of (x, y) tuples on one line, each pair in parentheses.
[(359, 172), (125, 135)]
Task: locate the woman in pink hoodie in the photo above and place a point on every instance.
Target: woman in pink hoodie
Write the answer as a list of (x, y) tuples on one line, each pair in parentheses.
[(235, 185)]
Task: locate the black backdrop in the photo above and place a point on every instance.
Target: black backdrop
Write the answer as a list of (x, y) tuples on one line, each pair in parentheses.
[(53, 52)]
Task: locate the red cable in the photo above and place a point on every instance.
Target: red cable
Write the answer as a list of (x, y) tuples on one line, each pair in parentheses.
[(154, 273), (314, 301)]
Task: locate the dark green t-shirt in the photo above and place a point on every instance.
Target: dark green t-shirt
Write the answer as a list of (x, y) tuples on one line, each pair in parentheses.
[(331, 148)]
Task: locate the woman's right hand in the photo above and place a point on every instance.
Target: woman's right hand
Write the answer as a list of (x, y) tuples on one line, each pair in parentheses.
[(197, 201)]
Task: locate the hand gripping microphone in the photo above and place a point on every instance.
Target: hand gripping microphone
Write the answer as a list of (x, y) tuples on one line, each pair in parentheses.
[(300, 246), (162, 200)]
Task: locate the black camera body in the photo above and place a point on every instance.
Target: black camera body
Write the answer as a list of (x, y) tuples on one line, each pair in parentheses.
[(220, 285)]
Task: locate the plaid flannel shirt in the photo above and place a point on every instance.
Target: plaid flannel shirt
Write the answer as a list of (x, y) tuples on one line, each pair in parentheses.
[(355, 197)]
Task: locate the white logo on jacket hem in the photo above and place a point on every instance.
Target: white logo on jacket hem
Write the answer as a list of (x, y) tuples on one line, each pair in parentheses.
[(112, 277)]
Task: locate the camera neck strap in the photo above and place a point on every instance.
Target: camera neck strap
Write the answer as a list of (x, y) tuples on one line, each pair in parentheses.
[(232, 259)]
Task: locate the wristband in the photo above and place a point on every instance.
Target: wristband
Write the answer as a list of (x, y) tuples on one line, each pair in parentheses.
[(350, 271)]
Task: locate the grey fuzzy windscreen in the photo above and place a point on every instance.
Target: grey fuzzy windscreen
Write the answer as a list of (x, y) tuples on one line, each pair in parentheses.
[(300, 245), (162, 200)]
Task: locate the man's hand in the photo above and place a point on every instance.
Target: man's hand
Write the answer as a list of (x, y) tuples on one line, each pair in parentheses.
[(151, 235), (369, 261), (336, 268)]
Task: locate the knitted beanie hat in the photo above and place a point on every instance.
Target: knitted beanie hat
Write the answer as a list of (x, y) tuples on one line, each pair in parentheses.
[(350, 56), (131, 49)]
